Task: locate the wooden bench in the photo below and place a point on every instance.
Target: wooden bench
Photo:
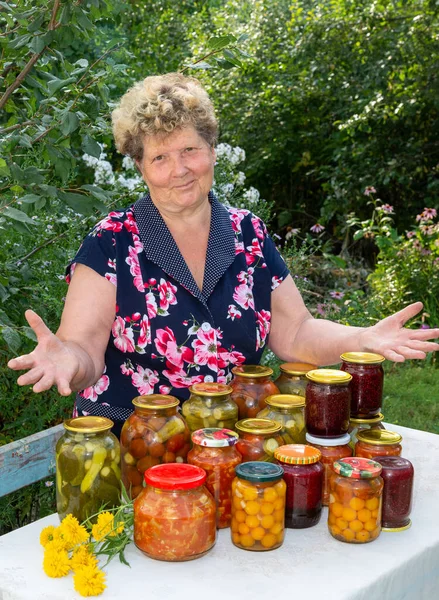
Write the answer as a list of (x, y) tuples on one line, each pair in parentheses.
[(28, 460)]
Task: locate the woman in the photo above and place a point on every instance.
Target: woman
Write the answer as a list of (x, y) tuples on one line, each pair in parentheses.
[(176, 288)]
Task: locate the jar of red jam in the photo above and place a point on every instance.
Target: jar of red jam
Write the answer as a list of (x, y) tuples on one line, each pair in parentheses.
[(175, 515), (398, 476), (289, 411), (303, 474), (332, 449), (251, 385), (258, 439), (327, 403), (258, 507), (355, 500), (292, 378), (367, 382), (215, 451), (210, 405), (378, 442), (357, 424), (154, 433)]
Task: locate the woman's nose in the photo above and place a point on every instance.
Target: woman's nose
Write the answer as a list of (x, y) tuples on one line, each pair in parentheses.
[(179, 167)]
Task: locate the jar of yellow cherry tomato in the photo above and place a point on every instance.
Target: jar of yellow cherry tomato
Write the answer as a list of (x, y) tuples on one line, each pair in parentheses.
[(258, 506), (378, 442), (292, 378), (355, 500)]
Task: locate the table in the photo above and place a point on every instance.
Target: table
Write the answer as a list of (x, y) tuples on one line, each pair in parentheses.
[(310, 564)]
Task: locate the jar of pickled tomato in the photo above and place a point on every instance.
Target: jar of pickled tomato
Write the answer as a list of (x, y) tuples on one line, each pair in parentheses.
[(258, 507), (210, 405), (289, 411), (174, 515), (292, 378), (378, 442), (251, 385), (328, 402), (398, 476), (303, 474), (355, 500), (154, 433), (331, 449), (87, 467), (215, 451), (357, 424), (258, 439), (367, 382)]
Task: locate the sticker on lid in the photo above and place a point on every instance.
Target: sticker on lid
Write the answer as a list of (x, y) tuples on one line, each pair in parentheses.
[(357, 468), (215, 437)]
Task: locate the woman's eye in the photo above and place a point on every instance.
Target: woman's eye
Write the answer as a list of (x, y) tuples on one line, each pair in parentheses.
[(190, 149), (158, 158)]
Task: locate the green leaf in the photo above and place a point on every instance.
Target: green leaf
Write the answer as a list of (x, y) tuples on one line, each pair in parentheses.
[(231, 57), (36, 24), (218, 43), (19, 41), (200, 65), (79, 203), (4, 169), (358, 234), (83, 20), (37, 45), (56, 84), (90, 146), (4, 319), (96, 191), (29, 333), (69, 123), (29, 198), (12, 338), (17, 215), (41, 203)]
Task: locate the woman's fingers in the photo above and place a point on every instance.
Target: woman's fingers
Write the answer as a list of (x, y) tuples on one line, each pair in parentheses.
[(31, 376), (410, 353), (37, 324), (45, 383), (423, 334), (392, 355), (27, 361), (424, 346), (64, 388), (407, 313)]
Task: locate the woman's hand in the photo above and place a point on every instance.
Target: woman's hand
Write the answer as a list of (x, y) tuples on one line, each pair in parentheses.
[(52, 362), (389, 337)]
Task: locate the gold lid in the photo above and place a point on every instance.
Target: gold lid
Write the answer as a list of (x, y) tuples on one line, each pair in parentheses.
[(379, 437), (155, 401), (258, 426), (211, 389), (368, 420), (89, 424), (297, 368), (285, 401), (252, 371), (396, 529), (363, 358), (331, 376)]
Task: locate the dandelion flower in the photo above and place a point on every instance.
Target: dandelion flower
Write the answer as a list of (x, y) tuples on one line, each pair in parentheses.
[(105, 526), (56, 563), (46, 535), (72, 532), (89, 581), (82, 557)]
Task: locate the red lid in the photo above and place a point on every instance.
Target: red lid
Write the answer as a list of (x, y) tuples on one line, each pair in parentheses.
[(175, 476)]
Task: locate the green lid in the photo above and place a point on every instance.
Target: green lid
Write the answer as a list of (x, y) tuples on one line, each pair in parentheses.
[(259, 472)]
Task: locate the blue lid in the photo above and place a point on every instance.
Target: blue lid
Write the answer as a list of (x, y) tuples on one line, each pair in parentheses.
[(259, 472)]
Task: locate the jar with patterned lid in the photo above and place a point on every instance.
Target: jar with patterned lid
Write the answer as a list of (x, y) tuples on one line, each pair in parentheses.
[(367, 382), (289, 411), (355, 500), (210, 405), (251, 385), (87, 467), (378, 442), (154, 433), (215, 451), (327, 402), (357, 424), (258, 439), (303, 474), (292, 378), (398, 476)]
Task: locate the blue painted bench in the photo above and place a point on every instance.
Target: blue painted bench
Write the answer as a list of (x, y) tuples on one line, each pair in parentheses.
[(28, 460)]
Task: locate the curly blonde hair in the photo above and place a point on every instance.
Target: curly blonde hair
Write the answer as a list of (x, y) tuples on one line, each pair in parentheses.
[(161, 104)]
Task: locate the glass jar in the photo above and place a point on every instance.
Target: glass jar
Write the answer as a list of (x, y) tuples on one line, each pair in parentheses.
[(398, 476), (303, 474), (289, 411), (258, 506), (210, 405), (328, 401), (331, 449), (251, 385), (87, 467), (174, 515), (357, 424), (378, 442), (154, 433), (355, 500), (367, 382), (258, 439), (292, 378), (215, 451)]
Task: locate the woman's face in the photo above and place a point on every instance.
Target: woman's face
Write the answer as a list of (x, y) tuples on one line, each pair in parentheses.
[(178, 169)]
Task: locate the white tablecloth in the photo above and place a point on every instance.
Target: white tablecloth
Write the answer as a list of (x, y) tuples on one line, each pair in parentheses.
[(310, 565)]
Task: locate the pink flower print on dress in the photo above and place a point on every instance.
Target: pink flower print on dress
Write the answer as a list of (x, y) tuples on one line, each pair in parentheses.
[(130, 223), (151, 305), (246, 276), (236, 358), (166, 345), (275, 282), (108, 224), (233, 313), (206, 348), (144, 380), (236, 216), (133, 261), (92, 392), (165, 389), (243, 296), (239, 247), (253, 252), (127, 368), (123, 336), (167, 293), (145, 335), (259, 228), (263, 328), (180, 379), (112, 278)]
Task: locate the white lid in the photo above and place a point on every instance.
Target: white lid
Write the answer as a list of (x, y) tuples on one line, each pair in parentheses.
[(341, 440)]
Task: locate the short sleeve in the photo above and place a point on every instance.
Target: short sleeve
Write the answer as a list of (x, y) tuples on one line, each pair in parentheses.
[(273, 258)]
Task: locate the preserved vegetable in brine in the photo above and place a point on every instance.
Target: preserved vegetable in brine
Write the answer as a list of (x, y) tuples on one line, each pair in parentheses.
[(357, 424), (292, 378), (258, 439), (210, 405), (289, 411), (378, 442), (251, 385)]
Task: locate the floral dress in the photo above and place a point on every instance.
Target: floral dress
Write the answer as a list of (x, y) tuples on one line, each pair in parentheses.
[(167, 334)]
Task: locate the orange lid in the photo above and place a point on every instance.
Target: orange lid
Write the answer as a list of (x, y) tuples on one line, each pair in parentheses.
[(297, 454)]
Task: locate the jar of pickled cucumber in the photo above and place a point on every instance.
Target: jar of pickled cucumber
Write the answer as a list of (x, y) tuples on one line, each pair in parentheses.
[(328, 402), (251, 385), (355, 500), (154, 433), (292, 378), (289, 411), (357, 424), (87, 467), (210, 405), (258, 439), (378, 442), (215, 451), (258, 506)]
